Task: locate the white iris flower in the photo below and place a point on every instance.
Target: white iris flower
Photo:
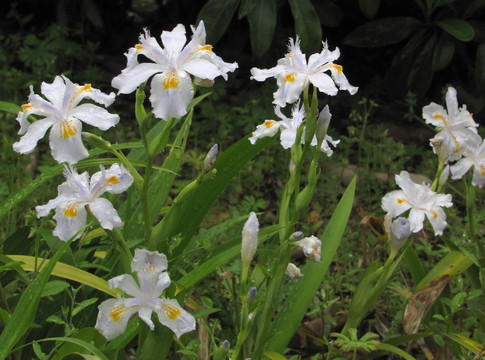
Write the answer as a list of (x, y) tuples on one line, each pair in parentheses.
[(456, 125), (150, 268), (289, 128), (473, 155), (293, 74), (78, 191), (63, 112), (171, 87), (420, 200), (312, 247)]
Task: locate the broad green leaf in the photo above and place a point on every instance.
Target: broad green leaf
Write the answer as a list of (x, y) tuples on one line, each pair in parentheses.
[(307, 25), (420, 75), (382, 32), (274, 355), (24, 313), (479, 68), (452, 264), (394, 349), (458, 28), (296, 304), (217, 15), (413, 262), (443, 52), (466, 342), (427, 291), (83, 344), (189, 209), (369, 7), (329, 13), (262, 23), (246, 7), (54, 287), (67, 272), (9, 107)]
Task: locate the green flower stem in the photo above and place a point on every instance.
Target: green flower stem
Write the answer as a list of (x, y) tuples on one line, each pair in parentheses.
[(144, 197), (106, 145), (122, 247), (244, 329)]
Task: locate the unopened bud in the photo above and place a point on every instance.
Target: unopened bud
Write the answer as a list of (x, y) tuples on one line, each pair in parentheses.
[(322, 124), (311, 247), (252, 293), (97, 141), (296, 235), (293, 272), (225, 345), (398, 231), (440, 148), (249, 238), (210, 158)]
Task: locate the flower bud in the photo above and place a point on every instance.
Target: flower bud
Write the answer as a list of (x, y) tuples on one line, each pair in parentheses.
[(311, 247), (296, 235), (249, 238), (440, 149), (293, 272), (252, 294), (322, 124), (400, 229), (210, 158)]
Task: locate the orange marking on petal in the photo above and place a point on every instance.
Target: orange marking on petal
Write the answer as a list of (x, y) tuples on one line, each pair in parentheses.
[(70, 211), (171, 81), (434, 213), (113, 180), (439, 116), (26, 107), (67, 129), (482, 170), (117, 312), (138, 47), (171, 311), (86, 87), (337, 67), (269, 123), (400, 201), (206, 48), (290, 78)]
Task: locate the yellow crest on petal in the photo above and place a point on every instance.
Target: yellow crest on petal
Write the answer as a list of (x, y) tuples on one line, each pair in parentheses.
[(117, 312), (26, 107), (269, 123), (171, 311), (67, 129), (170, 81), (113, 180), (70, 211), (290, 77)]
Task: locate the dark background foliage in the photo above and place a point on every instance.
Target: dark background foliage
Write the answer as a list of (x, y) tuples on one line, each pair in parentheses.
[(388, 47)]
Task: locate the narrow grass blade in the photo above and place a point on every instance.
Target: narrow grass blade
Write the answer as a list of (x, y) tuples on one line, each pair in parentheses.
[(301, 295), (26, 308), (222, 258), (67, 272)]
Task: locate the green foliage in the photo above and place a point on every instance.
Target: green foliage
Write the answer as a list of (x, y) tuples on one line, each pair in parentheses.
[(434, 37)]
